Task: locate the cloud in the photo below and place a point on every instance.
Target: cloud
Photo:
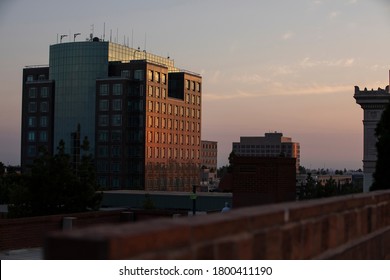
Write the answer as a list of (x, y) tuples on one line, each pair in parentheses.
[(287, 35), (334, 14), (250, 79), (280, 89), (307, 62)]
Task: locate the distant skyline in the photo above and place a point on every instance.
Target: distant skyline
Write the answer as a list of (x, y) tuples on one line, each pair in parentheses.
[(286, 66)]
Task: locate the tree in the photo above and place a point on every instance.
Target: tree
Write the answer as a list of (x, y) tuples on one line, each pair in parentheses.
[(382, 132), (56, 185), (2, 169)]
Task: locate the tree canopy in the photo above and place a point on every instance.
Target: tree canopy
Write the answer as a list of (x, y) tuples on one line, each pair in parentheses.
[(56, 185)]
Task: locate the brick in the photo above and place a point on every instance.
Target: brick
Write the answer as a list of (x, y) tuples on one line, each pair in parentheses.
[(205, 252), (312, 238), (267, 244), (335, 225), (292, 244)]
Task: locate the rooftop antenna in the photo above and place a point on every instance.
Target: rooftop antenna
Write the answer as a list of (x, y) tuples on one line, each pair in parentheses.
[(117, 38), (145, 43), (104, 31), (63, 36), (132, 31), (75, 35), (110, 35)]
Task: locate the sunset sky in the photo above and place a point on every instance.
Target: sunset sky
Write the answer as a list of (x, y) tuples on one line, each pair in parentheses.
[(281, 65)]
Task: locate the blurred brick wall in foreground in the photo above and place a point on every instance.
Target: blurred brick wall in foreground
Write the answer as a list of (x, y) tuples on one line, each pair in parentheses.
[(347, 227)]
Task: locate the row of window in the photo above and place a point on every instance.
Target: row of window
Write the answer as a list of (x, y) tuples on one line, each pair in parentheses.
[(170, 138), (138, 74), (155, 76), (33, 107), (209, 146), (106, 151), (283, 147), (208, 154), (192, 85), (32, 136), (174, 124), (104, 120), (170, 109), (117, 89), (43, 92), (33, 121), (173, 153), (30, 78), (116, 105)]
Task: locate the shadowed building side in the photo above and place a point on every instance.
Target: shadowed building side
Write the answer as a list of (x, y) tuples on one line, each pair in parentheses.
[(373, 103)]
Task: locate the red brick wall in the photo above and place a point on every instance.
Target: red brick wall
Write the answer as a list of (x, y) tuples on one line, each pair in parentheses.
[(31, 232), (348, 227), (260, 180)]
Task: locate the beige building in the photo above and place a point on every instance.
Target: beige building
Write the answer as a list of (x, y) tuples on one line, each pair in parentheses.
[(270, 145)]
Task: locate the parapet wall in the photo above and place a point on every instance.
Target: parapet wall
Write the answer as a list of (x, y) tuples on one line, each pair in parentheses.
[(348, 227)]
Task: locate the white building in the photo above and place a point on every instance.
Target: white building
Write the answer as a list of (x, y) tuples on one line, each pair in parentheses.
[(373, 102)]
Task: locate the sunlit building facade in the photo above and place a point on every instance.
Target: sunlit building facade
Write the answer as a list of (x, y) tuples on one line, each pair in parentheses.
[(140, 114)]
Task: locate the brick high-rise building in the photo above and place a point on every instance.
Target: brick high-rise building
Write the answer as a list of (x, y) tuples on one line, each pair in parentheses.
[(140, 114)]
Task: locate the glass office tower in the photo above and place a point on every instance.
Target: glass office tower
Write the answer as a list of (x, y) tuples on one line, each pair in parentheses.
[(75, 67)]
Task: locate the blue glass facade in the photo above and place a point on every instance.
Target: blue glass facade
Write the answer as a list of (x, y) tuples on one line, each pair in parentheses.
[(74, 67)]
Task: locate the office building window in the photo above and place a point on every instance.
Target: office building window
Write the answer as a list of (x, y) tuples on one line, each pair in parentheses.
[(150, 91), (198, 87), (43, 107), (157, 92), (104, 89), (116, 120), (32, 107), (117, 104), (31, 136), (103, 136), (44, 92), (30, 78), (150, 75), (117, 89), (102, 151), (139, 75), (115, 183), (103, 105), (43, 136), (116, 151), (125, 73), (116, 135), (164, 78), (156, 76), (164, 93), (32, 121), (103, 120), (43, 121), (31, 151), (32, 93)]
